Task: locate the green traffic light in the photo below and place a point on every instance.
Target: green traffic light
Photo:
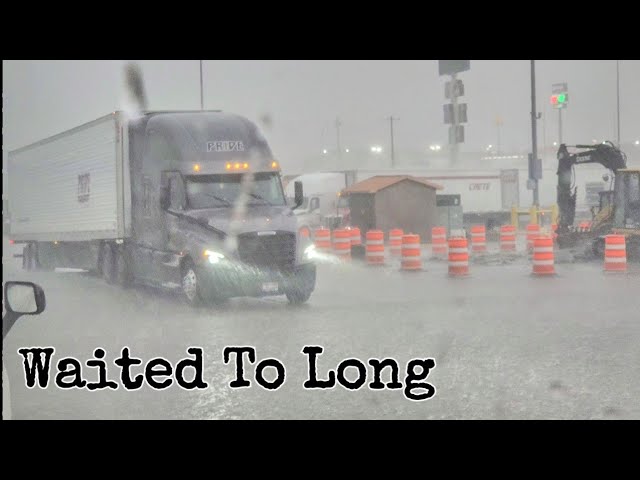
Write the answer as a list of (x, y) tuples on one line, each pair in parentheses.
[(562, 98)]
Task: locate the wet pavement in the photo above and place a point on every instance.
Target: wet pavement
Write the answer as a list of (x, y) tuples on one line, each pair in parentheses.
[(506, 344)]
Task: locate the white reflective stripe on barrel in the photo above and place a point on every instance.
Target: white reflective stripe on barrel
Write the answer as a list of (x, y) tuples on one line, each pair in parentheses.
[(615, 260), (458, 264), (375, 242), (619, 246), (543, 262), (458, 250), (542, 249)]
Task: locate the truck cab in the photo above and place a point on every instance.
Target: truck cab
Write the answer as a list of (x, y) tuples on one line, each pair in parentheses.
[(210, 213)]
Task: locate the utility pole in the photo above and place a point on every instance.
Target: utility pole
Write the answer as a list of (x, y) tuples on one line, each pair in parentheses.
[(534, 133), (618, 97), (338, 124), (393, 159), (454, 102), (201, 95), (498, 125)]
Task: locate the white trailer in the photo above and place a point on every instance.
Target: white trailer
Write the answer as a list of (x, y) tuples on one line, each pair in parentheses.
[(73, 186)]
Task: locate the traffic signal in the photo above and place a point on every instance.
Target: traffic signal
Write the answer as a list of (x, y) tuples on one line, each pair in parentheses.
[(559, 100)]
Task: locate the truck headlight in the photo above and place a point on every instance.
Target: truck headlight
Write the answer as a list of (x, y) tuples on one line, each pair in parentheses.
[(214, 257), (310, 252)]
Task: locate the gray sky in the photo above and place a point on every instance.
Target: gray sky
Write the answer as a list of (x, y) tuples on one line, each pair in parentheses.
[(303, 98)]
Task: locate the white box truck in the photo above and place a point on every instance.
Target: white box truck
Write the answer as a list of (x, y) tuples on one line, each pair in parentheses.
[(186, 200)]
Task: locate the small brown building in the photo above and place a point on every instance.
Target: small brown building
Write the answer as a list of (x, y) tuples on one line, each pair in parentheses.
[(398, 201)]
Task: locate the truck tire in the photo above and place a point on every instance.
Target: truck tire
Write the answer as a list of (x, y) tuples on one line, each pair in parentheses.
[(123, 272), (298, 297), (108, 263), (190, 284), (302, 287)]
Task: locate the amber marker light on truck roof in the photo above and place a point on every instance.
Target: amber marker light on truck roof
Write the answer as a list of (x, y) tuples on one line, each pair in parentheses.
[(245, 165), (274, 164), (196, 168), (228, 166)]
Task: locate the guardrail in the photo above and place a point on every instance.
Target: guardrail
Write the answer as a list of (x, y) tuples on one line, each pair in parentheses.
[(535, 214)]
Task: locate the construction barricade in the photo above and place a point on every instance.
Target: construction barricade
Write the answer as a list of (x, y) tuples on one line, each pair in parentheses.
[(507, 238), (615, 253), (342, 244), (543, 262), (458, 257), (533, 231), (478, 239), (322, 239), (439, 242), (374, 249), (411, 253), (395, 242)]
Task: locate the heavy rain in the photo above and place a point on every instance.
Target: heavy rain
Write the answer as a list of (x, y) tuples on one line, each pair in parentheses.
[(321, 239)]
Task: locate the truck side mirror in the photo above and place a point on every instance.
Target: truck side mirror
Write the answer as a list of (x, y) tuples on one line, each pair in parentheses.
[(299, 196), (24, 298), (21, 298), (164, 197)]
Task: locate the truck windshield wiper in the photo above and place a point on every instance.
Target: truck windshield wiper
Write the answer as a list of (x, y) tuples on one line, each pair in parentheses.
[(224, 200), (255, 195)]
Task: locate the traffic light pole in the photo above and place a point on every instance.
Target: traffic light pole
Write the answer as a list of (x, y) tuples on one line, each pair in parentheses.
[(559, 126), (454, 101), (534, 133)]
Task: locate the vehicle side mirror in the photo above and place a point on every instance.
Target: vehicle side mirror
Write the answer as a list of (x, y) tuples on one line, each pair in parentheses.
[(299, 195), (24, 298), (164, 198)]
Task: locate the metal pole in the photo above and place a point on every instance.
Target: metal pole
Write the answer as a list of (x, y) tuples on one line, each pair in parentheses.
[(201, 95), (393, 151), (338, 139), (560, 126), (618, 97), (454, 101), (534, 133)]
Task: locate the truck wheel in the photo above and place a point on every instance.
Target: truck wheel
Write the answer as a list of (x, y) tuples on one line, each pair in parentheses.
[(108, 264), (298, 297), (303, 285), (123, 272), (191, 284)]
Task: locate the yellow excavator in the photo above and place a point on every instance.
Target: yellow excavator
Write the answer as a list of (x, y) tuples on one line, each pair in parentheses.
[(619, 209)]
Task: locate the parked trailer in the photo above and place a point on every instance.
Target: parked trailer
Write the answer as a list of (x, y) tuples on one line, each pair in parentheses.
[(191, 201)]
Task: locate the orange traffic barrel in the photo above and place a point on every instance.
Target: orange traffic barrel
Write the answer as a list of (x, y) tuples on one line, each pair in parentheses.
[(584, 226), (439, 241), (374, 249), (304, 232), (543, 256), (615, 253), (411, 252), (478, 239), (342, 244), (395, 241), (322, 239), (458, 257), (356, 238), (507, 238), (533, 231)]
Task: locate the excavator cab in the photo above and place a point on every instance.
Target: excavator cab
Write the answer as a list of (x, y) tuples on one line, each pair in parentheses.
[(627, 202)]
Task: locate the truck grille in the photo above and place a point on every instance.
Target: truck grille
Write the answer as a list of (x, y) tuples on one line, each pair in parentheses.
[(276, 251)]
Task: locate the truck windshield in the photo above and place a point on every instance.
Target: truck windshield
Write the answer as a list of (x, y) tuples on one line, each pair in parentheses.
[(214, 191)]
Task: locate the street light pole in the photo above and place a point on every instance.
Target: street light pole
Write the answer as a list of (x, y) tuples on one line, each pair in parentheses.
[(393, 158), (534, 133), (618, 97), (338, 124), (201, 93)]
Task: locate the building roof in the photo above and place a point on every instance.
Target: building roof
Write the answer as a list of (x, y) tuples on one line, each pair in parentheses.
[(380, 182)]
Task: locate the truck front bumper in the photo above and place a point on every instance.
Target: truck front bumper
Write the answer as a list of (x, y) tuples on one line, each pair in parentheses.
[(230, 279)]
